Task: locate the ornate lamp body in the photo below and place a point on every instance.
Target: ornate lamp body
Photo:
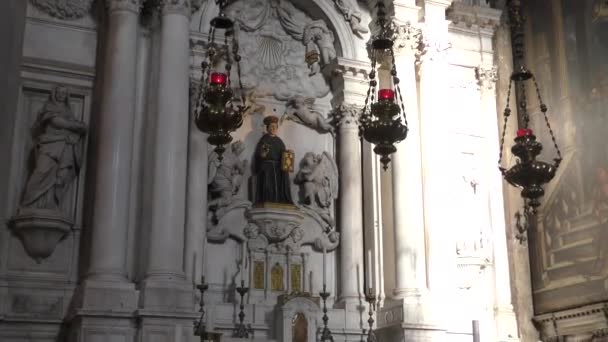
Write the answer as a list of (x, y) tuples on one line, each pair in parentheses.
[(529, 174)]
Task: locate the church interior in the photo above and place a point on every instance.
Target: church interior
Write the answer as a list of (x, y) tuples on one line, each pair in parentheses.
[(304, 170)]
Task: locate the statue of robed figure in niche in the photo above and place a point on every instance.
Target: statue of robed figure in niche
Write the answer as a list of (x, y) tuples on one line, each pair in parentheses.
[(42, 219), (273, 162)]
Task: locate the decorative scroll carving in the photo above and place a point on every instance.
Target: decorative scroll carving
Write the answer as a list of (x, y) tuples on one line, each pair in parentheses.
[(65, 9), (318, 181), (299, 109)]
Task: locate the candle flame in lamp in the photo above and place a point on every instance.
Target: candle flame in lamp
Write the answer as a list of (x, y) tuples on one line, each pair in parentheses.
[(218, 78), (386, 94), (523, 132)]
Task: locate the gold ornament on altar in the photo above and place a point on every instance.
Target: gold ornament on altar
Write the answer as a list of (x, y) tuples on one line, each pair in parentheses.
[(258, 275), (287, 161), (276, 278), (296, 278)]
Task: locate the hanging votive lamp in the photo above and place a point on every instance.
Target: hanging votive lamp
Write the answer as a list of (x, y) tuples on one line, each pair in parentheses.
[(383, 121), (218, 111), (528, 173)]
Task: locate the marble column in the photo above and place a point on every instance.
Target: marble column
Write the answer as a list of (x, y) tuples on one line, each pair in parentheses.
[(410, 272), (350, 86), (351, 204), (114, 141), (165, 276), (440, 244), (196, 218), (506, 324), (108, 298)]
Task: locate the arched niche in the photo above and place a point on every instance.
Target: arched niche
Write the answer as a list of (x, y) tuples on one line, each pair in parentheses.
[(309, 310), (347, 44)]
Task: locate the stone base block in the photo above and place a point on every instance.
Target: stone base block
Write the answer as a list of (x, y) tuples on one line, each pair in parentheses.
[(167, 295), (19, 331), (87, 328), (103, 297), (506, 324), (168, 327)]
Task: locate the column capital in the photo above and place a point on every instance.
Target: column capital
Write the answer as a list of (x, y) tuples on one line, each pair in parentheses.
[(183, 7), (486, 77), (409, 40), (347, 115), (433, 47), (124, 5)]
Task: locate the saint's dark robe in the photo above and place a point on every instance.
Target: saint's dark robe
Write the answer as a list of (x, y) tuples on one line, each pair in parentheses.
[(272, 183)]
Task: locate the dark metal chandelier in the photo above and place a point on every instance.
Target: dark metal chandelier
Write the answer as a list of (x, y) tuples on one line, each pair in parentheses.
[(218, 112), (383, 123), (528, 173)]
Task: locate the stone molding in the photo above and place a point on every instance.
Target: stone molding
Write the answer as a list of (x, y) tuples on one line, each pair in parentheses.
[(467, 16), (124, 5), (64, 10)]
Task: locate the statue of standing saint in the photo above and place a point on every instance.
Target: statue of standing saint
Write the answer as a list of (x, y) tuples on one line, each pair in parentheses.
[(272, 165), (58, 152), (41, 221)]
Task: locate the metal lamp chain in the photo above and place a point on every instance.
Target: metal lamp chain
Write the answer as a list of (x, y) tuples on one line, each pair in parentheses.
[(523, 103), (397, 87), (506, 114), (543, 109)]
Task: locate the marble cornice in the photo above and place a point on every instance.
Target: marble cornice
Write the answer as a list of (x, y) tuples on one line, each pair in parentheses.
[(588, 320), (124, 5), (467, 16), (350, 68)]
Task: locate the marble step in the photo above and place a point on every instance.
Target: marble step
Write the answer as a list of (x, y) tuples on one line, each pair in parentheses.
[(567, 269), (577, 250), (589, 228)]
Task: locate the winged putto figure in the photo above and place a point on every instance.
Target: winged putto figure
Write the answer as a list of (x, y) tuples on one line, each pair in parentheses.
[(318, 181), (299, 109)]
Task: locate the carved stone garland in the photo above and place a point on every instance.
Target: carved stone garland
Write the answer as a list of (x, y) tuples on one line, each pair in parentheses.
[(65, 9)]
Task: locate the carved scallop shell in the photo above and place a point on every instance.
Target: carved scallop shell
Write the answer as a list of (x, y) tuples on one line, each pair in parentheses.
[(64, 9), (270, 51)]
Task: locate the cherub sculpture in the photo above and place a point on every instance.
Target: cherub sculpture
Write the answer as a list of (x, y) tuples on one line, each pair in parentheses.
[(318, 181), (351, 15), (225, 177), (319, 42), (299, 110)]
